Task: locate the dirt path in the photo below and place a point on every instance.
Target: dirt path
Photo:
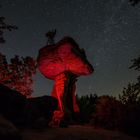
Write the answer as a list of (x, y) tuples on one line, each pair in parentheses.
[(75, 133)]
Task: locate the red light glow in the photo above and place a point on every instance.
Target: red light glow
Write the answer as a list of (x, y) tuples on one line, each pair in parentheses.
[(63, 63)]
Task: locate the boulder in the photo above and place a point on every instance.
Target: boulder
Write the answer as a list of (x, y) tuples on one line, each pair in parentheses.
[(12, 104), (38, 108), (8, 131), (25, 112)]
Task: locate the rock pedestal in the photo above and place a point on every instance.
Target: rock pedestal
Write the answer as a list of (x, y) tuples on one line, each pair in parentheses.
[(64, 91), (64, 62)]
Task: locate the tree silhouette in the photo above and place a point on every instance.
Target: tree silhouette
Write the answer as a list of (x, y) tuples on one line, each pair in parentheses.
[(136, 66), (131, 99), (87, 106), (134, 2), (108, 113), (18, 74), (50, 36), (131, 94), (3, 27)]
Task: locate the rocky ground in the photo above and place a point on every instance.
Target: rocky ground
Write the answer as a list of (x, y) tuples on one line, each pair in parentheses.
[(16, 112), (74, 133)]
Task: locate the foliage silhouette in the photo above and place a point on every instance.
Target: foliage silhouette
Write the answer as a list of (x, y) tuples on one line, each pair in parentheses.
[(134, 2), (50, 36), (131, 99), (108, 113), (136, 66), (111, 113), (3, 27), (87, 106), (18, 73), (130, 94)]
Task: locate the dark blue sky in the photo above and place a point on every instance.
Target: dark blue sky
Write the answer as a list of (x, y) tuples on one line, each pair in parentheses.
[(109, 30)]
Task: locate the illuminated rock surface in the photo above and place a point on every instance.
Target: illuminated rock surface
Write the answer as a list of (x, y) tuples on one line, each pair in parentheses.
[(63, 63), (64, 56)]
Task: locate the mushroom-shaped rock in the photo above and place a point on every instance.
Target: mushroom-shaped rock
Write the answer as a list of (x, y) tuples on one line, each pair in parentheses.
[(64, 56), (63, 63)]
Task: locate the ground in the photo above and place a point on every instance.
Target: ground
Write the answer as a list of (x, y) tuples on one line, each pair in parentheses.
[(74, 133)]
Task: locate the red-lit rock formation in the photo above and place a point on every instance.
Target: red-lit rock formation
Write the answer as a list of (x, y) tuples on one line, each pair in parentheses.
[(63, 63)]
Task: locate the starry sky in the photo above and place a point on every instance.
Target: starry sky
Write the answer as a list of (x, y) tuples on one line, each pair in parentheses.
[(108, 30)]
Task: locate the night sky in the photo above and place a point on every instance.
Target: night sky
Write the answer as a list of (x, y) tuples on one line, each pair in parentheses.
[(109, 30)]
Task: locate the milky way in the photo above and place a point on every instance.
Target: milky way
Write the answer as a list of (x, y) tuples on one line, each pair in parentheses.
[(109, 30)]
